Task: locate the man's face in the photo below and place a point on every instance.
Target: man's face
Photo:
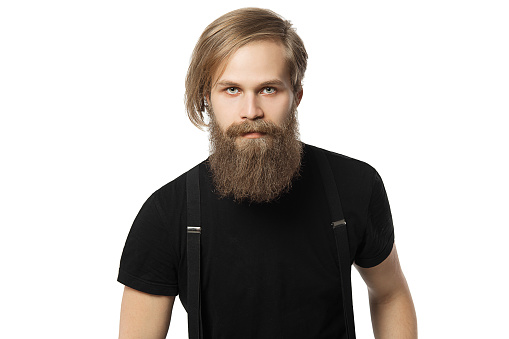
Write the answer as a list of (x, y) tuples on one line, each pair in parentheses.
[(255, 148), (254, 85)]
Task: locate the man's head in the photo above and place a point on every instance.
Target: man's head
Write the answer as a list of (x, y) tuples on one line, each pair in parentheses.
[(223, 37), (246, 72)]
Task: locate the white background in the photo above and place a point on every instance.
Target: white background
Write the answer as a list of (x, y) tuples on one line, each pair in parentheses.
[(92, 122)]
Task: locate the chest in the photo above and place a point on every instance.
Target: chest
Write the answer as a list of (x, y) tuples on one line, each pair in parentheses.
[(288, 245)]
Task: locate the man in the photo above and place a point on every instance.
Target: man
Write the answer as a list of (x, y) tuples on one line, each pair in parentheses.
[(269, 263)]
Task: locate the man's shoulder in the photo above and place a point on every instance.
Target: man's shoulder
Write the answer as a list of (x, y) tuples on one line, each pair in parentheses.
[(176, 188), (342, 163)]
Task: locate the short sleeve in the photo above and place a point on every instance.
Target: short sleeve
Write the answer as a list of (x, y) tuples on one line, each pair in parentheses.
[(379, 236), (148, 263)]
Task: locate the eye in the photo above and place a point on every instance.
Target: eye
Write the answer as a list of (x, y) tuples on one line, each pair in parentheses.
[(269, 90), (232, 90)]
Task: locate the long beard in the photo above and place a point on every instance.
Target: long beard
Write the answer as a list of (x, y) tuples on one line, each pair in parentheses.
[(255, 170)]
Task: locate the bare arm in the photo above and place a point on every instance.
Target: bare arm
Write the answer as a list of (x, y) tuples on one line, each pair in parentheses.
[(392, 309), (144, 316)]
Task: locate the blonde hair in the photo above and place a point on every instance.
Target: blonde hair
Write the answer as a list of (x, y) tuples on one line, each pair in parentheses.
[(223, 37)]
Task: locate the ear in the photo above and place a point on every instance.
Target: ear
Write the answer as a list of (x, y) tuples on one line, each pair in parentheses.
[(299, 96)]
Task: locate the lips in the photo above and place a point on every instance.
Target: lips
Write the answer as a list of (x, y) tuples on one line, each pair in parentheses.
[(252, 129), (253, 135)]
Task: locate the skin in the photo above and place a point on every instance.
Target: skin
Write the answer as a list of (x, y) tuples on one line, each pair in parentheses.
[(392, 309), (144, 316), (256, 85)]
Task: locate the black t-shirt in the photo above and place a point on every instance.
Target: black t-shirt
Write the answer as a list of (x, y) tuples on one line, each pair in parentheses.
[(268, 270)]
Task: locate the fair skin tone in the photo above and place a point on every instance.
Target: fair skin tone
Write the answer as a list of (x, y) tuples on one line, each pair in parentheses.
[(392, 309), (256, 85), (144, 315)]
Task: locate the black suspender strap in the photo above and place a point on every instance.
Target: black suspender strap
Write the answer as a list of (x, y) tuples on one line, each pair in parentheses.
[(339, 227), (193, 253)]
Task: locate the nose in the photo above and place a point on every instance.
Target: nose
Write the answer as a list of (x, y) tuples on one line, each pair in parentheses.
[(251, 108)]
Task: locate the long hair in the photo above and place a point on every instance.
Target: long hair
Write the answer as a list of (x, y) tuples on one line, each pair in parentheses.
[(223, 37)]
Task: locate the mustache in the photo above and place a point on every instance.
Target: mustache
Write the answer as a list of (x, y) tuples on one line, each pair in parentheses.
[(258, 126)]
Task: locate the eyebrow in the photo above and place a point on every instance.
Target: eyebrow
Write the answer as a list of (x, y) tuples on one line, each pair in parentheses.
[(272, 82)]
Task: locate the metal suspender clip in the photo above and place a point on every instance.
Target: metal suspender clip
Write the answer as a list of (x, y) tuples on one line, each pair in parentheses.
[(341, 222), (193, 229)]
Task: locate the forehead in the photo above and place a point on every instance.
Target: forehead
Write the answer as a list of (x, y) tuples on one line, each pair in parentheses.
[(256, 62)]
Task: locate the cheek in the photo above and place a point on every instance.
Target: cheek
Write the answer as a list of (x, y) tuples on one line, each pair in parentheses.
[(224, 113), (283, 107)]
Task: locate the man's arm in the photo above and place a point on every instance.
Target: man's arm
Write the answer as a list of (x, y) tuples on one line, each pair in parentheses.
[(392, 309), (144, 315)]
